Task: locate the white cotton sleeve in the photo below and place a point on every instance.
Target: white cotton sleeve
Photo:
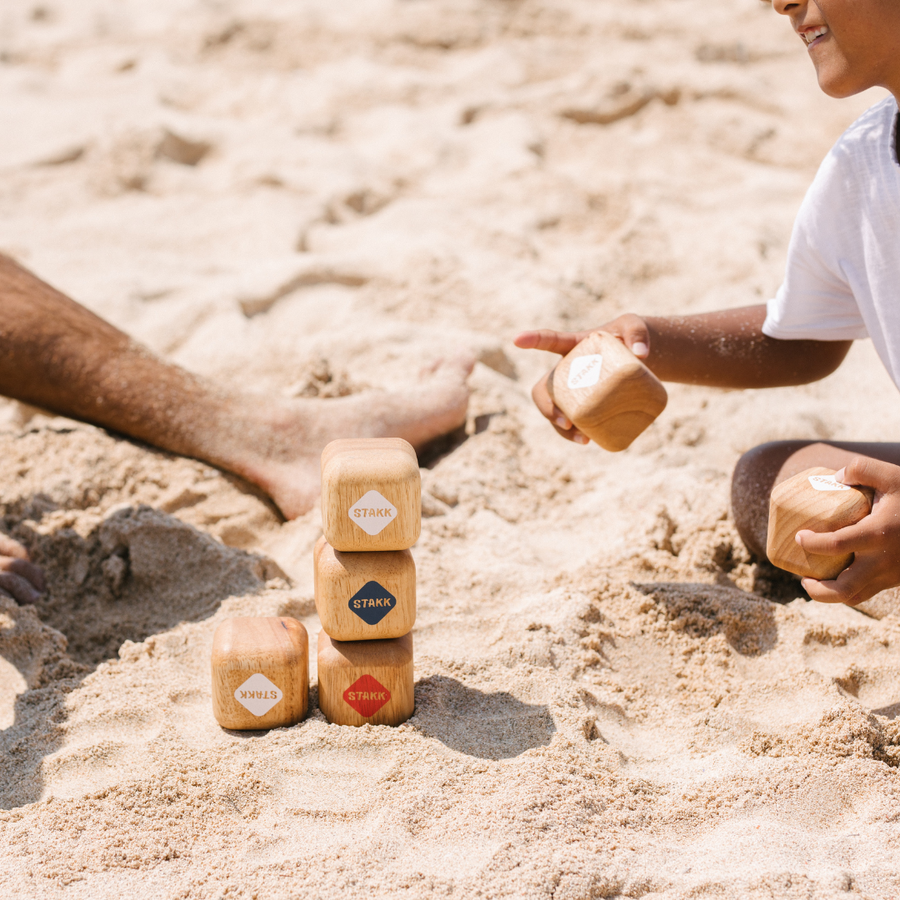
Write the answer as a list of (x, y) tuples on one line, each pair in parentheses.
[(816, 301)]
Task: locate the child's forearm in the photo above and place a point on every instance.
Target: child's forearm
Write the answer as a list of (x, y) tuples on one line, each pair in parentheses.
[(724, 349), (727, 349)]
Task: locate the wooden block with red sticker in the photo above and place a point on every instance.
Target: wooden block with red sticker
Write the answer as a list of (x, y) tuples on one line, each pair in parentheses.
[(366, 682)]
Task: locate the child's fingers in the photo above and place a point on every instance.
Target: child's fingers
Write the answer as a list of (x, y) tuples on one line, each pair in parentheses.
[(835, 543), (853, 586), (548, 409), (875, 473), (554, 341), (557, 418)]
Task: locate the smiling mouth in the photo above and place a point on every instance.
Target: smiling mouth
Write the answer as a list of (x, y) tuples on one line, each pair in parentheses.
[(811, 36)]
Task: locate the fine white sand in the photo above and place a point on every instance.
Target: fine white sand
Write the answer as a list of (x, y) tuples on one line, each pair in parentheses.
[(316, 197)]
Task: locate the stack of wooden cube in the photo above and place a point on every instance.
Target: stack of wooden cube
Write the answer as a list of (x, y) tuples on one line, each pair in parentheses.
[(365, 580)]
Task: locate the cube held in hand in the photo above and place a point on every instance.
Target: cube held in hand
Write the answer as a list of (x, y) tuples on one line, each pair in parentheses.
[(366, 682), (812, 501), (260, 673), (365, 596), (606, 392), (371, 494)]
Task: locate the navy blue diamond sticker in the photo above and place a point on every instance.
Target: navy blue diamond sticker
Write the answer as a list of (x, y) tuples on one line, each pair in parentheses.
[(372, 602)]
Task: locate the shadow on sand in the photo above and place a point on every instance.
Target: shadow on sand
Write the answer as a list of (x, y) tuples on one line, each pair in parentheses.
[(488, 726), (745, 620), (138, 572)]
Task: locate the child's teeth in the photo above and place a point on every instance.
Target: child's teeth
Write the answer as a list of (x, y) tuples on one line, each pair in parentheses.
[(812, 35)]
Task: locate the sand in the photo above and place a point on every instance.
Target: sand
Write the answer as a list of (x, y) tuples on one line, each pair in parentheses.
[(309, 199)]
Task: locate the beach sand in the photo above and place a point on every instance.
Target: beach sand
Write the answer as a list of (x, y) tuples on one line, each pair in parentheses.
[(314, 198)]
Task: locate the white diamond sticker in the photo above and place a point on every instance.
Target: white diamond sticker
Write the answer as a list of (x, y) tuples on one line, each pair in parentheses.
[(372, 512), (827, 483), (258, 694), (585, 370)]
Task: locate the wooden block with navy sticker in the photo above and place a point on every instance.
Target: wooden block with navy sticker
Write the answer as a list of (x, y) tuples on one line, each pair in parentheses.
[(371, 494), (606, 391), (365, 596), (260, 673), (812, 500), (366, 682)]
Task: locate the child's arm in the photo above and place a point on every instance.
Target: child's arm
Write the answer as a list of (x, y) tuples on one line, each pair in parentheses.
[(873, 540), (724, 349)]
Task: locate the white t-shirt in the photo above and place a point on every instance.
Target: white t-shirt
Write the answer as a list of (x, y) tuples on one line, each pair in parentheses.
[(843, 269)]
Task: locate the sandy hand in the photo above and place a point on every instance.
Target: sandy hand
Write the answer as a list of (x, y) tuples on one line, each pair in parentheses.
[(874, 540), (20, 578)]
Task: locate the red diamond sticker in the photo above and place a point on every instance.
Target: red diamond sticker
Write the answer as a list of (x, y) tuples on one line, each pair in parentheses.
[(366, 696)]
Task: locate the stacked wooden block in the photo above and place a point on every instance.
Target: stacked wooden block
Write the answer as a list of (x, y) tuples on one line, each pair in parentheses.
[(366, 598), (365, 580)]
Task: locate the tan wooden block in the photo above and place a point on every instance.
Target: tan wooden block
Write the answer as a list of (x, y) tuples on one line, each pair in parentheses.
[(260, 673), (365, 596), (606, 391), (366, 682), (371, 494), (812, 500)]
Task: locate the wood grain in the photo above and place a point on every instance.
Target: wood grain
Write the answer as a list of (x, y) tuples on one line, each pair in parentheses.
[(796, 505), (350, 588), (275, 648), (342, 665), (353, 468), (616, 407)]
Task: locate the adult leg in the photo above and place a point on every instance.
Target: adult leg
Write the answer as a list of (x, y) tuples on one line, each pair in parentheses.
[(761, 468), (57, 355)]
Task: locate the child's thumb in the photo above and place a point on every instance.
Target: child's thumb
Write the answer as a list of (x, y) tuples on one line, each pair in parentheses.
[(634, 333), (874, 473)]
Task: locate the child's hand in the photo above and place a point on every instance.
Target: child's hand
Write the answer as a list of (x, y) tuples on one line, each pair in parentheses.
[(875, 540), (20, 578), (630, 329)]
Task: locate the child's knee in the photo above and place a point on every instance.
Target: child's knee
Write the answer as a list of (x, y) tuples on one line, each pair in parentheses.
[(751, 484), (755, 472)]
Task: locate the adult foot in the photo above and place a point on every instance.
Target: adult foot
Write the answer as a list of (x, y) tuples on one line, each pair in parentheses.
[(285, 440)]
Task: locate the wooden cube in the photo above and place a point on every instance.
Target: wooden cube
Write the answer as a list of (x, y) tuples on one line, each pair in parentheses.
[(365, 596), (366, 682), (371, 494), (812, 500), (260, 673), (606, 391)]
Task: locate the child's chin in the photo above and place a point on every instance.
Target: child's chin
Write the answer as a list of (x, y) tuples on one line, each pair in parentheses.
[(839, 84)]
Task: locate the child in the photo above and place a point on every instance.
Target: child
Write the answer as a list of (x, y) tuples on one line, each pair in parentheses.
[(842, 283)]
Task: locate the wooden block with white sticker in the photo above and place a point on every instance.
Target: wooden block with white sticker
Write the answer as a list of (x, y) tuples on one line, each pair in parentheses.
[(812, 501), (366, 682), (365, 596), (260, 673), (371, 494), (606, 391)]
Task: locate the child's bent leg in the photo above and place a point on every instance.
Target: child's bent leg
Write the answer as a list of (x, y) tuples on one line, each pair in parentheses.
[(761, 468)]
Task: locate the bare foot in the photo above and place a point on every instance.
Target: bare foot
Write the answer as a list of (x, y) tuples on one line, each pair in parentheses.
[(283, 441)]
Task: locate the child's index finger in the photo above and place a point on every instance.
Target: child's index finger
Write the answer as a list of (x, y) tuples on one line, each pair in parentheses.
[(545, 339)]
